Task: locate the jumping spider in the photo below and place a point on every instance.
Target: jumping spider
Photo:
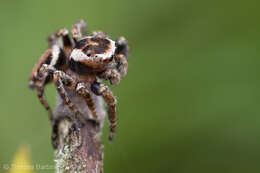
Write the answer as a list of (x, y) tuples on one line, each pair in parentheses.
[(79, 63)]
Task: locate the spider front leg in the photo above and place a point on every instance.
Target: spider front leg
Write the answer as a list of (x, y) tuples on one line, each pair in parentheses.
[(121, 55), (100, 89), (40, 92), (100, 34), (38, 79), (60, 80), (82, 90), (79, 30), (35, 76), (112, 75), (69, 82), (62, 39), (122, 64)]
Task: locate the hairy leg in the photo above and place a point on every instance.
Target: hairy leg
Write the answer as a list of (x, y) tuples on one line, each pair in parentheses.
[(112, 75), (122, 46), (79, 30), (100, 34), (55, 57), (72, 84), (122, 52), (122, 64), (38, 79), (83, 91), (62, 39), (59, 43), (34, 76), (59, 81), (40, 92), (110, 100)]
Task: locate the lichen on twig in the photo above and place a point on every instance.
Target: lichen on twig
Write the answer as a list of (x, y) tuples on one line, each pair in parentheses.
[(83, 152)]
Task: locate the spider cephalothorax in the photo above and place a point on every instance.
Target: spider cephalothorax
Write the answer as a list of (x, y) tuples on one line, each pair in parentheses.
[(79, 63), (92, 55)]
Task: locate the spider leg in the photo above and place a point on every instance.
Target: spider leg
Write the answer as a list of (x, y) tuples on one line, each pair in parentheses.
[(112, 75), (100, 89), (62, 39), (122, 64), (60, 79), (121, 55), (55, 57), (100, 34), (122, 46), (60, 47), (40, 92), (69, 82), (38, 80), (82, 90), (34, 76), (79, 30)]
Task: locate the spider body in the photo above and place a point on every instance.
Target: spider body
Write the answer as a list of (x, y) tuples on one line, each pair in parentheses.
[(80, 63), (92, 55)]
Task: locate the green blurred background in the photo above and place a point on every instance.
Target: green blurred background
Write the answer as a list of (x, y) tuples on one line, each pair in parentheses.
[(190, 101)]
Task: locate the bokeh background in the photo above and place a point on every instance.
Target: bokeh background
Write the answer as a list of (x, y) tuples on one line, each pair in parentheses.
[(190, 101)]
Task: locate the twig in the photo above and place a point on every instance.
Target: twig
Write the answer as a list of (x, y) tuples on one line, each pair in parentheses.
[(83, 154)]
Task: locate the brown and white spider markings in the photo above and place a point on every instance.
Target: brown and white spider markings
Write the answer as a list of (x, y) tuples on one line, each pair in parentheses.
[(79, 63)]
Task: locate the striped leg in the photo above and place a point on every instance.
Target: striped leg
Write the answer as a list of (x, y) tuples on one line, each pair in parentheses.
[(34, 76), (103, 90), (122, 52), (60, 79), (100, 34), (40, 92), (38, 80), (62, 39), (82, 90), (122, 64), (79, 30), (122, 46), (112, 75)]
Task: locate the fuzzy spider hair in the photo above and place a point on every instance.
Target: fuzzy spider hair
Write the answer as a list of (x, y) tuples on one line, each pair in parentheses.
[(81, 63)]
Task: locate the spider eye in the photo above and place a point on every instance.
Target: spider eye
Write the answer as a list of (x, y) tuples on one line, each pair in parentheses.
[(89, 54)]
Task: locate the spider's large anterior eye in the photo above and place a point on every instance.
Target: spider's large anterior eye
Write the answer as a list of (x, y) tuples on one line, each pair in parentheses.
[(89, 54)]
